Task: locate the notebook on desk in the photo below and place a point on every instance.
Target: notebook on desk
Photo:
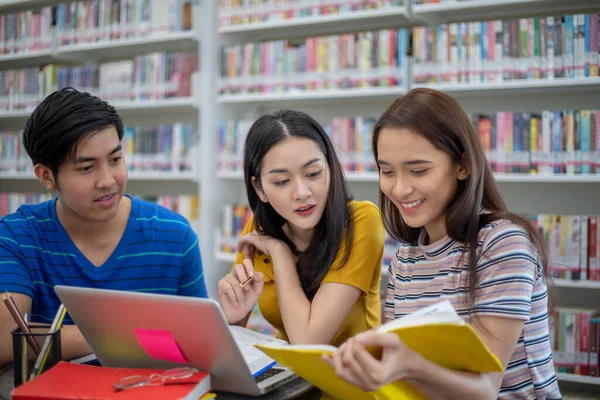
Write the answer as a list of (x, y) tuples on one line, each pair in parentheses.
[(142, 330)]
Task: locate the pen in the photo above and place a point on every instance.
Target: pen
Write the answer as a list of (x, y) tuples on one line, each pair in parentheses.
[(16, 314), (246, 281)]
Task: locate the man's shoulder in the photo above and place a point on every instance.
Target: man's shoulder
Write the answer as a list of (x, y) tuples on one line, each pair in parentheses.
[(28, 217), (151, 214)]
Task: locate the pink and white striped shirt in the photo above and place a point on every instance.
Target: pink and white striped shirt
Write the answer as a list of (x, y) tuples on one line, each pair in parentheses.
[(510, 285)]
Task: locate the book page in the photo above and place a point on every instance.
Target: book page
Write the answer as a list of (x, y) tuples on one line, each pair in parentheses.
[(439, 313), (256, 359)]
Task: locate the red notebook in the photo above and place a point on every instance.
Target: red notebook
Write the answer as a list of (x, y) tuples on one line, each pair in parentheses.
[(80, 381)]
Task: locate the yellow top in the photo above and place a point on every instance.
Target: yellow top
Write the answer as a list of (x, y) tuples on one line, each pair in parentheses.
[(362, 270)]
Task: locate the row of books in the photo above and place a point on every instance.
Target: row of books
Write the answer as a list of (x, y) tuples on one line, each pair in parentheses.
[(164, 147), (242, 12), (91, 21), (366, 59), (575, 340), (186, 205), (157, 75), (350, 136), (472, 52), (550, 142), (573, 245), (147, 148), (495, 51)]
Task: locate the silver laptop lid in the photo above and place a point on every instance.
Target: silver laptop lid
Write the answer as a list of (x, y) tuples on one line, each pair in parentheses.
[(107, 319)]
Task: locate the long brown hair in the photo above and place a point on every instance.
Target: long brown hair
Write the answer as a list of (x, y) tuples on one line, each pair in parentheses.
[(336, 226), (441, 120)]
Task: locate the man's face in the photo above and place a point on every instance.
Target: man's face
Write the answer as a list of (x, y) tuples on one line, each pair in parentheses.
[(92, 181)]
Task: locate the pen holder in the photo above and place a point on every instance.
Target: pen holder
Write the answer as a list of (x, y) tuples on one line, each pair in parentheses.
[(25, 357)]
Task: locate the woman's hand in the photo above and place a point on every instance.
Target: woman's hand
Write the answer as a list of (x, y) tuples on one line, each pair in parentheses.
[(237, 301), (354, 364), (253, 241)]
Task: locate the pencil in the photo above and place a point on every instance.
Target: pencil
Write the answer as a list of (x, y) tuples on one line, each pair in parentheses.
[(16, 314), (56, 324), (246, 281)]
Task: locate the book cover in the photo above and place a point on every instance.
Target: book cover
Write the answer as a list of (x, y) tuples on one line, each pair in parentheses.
[(79, 381), (436, 332)]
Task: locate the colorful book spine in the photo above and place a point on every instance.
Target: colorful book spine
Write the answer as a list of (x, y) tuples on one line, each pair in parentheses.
[(355, 60), (495, 51)]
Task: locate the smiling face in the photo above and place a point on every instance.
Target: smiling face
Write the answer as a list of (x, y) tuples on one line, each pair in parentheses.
[(419, 179), (92, 181), (295, 180)]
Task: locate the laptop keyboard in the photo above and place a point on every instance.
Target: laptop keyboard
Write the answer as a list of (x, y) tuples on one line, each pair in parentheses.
[(269, 373)]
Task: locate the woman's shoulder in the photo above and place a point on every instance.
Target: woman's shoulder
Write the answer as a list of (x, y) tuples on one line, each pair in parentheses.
[(503, 232), (364, 209)]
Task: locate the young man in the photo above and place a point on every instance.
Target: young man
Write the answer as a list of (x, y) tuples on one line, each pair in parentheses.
[(92, 234)]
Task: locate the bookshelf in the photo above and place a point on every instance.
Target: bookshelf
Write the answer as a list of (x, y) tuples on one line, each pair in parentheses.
[(556, 194), (524, 193)]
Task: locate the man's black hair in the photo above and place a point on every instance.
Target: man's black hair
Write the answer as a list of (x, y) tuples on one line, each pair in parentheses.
[(61, 121)]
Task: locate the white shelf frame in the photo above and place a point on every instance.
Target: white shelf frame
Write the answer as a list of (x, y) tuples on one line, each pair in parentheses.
[(103, 50), (454, 11), (190, 176), (577, 284), (16, 5), (223, 257), (323, 96), (501, 178), (175, 104), (322, 24), (588, 380)]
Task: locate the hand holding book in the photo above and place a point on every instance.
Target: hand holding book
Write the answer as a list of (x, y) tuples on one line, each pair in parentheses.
[(354, 363), (435, 333)]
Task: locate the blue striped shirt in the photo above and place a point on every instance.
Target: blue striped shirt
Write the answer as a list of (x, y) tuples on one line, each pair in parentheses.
[(158, 253)]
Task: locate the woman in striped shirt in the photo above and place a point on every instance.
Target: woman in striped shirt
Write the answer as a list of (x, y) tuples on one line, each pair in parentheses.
[(458, 242)]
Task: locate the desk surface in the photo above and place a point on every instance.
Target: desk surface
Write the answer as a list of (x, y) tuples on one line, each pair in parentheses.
[(297, 389)]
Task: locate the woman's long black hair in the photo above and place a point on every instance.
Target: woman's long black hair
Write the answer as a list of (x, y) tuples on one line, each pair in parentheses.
[(336, 223)]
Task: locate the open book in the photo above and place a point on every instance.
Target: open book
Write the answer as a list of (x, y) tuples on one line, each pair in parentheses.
[(435, 332), (246, 339)]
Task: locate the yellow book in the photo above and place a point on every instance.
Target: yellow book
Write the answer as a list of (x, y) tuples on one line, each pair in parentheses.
[(436, 332)]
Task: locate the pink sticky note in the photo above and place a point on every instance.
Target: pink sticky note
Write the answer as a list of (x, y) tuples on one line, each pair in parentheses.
[(160, 344)]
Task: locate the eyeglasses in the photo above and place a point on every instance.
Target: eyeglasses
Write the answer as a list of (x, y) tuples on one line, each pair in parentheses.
[(169, 376)]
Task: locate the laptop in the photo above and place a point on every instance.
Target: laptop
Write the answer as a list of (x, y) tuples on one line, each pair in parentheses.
[(107, 319)]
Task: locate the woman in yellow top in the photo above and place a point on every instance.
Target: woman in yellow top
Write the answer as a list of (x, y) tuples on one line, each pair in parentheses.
[(313, 253)]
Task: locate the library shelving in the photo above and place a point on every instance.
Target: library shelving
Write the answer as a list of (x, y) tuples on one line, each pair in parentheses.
[(313, 97), (558, 194), (154, 110), (458, 11), (177, 105), (106, 49), (320, 24), (524, 193)]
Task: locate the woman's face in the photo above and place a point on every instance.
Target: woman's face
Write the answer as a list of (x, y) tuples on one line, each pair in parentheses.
[(295, 180), (418, 178)]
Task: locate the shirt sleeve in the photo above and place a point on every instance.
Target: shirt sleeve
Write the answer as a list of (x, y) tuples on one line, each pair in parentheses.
[(364, 263), (192, 278), (15, 276), (389, 309), (506, 273)]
